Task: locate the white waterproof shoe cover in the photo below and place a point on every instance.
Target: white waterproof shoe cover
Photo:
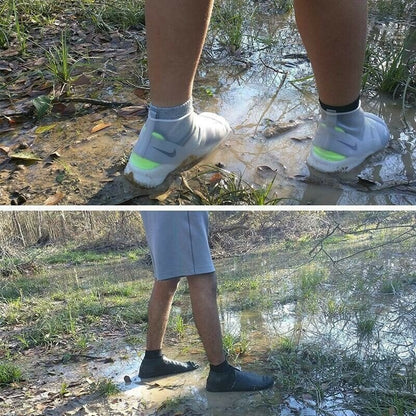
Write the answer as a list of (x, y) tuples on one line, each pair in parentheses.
[(344, 141), (153, 157)]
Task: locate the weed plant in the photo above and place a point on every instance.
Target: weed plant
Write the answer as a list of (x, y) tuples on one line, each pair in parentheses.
[(228, 21), (119, 14), (59, 61), (283, 6), (105, 388), (229, 189), (9, 373), (235, 346), (388, 74)]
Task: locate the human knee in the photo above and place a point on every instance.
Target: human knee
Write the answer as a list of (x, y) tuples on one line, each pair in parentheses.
[(204, 282), (169, 285)]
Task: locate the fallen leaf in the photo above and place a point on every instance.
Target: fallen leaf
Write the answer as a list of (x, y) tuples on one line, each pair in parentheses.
[(55, 155), (280, 128), (301, 139), (25, 157), (18, 199), (65, 109), (100, 126), (133, 111), (44, 129), (141, 92), (5, 67), (82, 80), (162, 197), (54, 199), (265, 169), (216, 177), (5, 149)]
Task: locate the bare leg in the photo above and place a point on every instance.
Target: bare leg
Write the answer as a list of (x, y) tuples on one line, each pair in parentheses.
[(334, 34), (158, 312), (176, 31), (154, 364), (174, 138), (203, 291)]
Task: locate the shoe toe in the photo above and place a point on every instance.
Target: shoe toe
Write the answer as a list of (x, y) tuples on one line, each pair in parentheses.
[(216, 121), (245, 381)]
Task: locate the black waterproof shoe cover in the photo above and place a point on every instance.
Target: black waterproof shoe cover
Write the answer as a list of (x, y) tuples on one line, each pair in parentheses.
[(157, 367), (237, 380)]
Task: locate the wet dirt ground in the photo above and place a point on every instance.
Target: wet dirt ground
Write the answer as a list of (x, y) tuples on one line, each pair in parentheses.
[(174, 395), (269, 100)]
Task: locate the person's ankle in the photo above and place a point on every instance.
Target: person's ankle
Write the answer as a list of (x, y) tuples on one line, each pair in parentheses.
[(340, 109), (175, 112), (221, 368), (152, 354)]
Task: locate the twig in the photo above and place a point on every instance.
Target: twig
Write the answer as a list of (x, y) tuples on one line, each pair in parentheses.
[(375, 390), (282, 81)]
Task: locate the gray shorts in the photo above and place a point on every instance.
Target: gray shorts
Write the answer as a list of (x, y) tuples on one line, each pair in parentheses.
[(178, 242)]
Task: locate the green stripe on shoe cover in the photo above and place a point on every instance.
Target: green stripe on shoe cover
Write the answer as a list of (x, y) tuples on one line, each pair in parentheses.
[(157, 136), (142, 163), (328, 155)]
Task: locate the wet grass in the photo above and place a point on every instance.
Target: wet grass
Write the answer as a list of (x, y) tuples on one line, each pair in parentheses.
[(214, 185), (105, 388), (391, 73)]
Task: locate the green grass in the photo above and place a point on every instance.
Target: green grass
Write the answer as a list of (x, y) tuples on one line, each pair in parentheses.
[(235, 345), (386, 73), (9, 373), (229, 17), (309, 278), (76, 256), (387, 9), (60, 62), (119, 14), (179, 326), (365, 326), (105, 388)]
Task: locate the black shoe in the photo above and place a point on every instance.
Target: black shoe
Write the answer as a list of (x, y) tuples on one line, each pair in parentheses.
[(162, 366), (237, 380)]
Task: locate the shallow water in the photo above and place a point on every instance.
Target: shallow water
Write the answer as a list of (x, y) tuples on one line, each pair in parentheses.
[(251, 100)]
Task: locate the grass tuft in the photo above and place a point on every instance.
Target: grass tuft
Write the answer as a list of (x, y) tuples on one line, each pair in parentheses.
[(9, 373)]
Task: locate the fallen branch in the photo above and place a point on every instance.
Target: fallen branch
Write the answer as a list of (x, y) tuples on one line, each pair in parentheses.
[(57, 100), (102, 103)]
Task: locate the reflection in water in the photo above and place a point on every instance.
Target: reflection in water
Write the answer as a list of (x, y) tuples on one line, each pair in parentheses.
[(247, 98)]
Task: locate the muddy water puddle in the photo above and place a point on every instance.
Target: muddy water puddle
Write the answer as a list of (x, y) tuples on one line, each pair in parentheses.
[(265, 92)]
